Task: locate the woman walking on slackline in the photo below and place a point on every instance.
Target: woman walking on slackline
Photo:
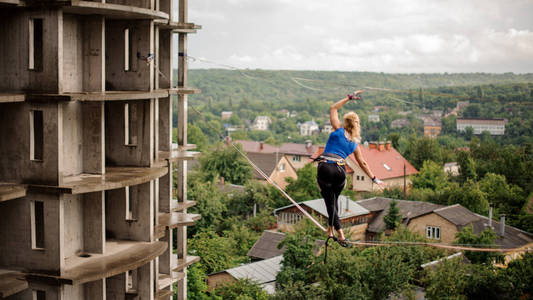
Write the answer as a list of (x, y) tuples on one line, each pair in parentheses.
[(331, 175)]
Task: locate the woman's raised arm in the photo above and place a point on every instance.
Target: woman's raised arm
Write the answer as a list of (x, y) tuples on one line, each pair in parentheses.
[(333, 110)]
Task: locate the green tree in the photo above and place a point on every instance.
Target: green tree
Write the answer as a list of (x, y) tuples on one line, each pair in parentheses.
[(210, 203), (304, 187), (485, 239), (216, 252), (393, 217), (225, 162), (509, 199), (469, 196), (467, 166), (242, 289), (196, 283), (431, 176), (519, 273), (447, 281), (422, 149), (197, 137)]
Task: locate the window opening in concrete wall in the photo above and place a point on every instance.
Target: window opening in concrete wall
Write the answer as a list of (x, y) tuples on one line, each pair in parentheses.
[(35, 42), (129, 204), (130, 124), (37, 224), (127, 48), (39, 295), (131, 281), (36, 135)]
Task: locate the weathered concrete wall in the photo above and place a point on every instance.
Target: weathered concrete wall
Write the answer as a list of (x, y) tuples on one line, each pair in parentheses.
[(72, 53), (119, 154), (93, 138), (141, 228), (15, 230), (72, 138), (165, 59), (14, 30), (140, 75), (15, 163), (73, 239), (116, 287)]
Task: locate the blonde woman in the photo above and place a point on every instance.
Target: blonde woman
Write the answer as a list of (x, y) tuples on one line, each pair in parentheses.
[(331, 176)]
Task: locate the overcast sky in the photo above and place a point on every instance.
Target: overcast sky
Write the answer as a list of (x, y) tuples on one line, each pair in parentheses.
[(404, 36)]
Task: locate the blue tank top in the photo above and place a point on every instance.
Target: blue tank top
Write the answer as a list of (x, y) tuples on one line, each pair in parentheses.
[(338, 144)]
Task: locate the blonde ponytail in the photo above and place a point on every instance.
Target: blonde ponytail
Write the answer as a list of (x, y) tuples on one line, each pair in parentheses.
[(352, 127)]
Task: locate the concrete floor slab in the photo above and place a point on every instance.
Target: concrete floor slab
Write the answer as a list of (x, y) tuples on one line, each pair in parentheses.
[(114, 178), (120, 256), (7, 98), (112, 11), (184, 91), (166, 280), (180, 206), (163, 294), (10, 191), (185, 262), (11, 282)]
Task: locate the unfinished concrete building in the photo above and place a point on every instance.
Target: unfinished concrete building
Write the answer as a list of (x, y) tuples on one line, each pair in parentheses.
[(87, 204)]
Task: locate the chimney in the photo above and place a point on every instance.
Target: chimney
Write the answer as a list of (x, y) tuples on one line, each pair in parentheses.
[(502, 225), (347, 203), (490, 216), (381, 146), (373, 145), (308, 144), (388, 145), (261, 145)]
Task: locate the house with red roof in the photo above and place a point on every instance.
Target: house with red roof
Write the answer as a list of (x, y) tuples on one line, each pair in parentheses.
[(385, 162)]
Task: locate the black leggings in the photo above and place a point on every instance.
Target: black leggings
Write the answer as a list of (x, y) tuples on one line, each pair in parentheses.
[(331, 179)]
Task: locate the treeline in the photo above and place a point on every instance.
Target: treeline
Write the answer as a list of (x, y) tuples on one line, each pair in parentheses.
[(251, 93)]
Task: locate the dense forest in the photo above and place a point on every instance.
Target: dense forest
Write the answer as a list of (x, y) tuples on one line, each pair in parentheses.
[(495, 170)]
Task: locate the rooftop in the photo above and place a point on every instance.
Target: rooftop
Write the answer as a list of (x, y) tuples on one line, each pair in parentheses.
[(386, 163), (267, 245), (318, 205)]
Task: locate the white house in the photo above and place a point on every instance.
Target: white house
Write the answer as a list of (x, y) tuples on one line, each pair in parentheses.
[(494, 126), (308, 128), (261, 123), (374, 118)]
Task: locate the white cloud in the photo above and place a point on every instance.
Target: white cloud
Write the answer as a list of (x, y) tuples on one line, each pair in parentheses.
[(388, 35)]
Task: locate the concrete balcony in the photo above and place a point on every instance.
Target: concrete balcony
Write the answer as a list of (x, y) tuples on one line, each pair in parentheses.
[(173, 220), (10, 191), (119, 257), (184, 91), (10, 2), (178, 27), (166, 280), (183, 263), (114, 178), (99, 96), (9, 98), (176, 206), (112, 11), (11, 282)]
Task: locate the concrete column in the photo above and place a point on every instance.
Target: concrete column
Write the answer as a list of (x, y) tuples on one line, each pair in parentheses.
[(146, 281), (165, 260), (165, 190), (93, 137), (95, 290), (165, 124), (94, 54), (155, 130), (116, 287), (94, 222)]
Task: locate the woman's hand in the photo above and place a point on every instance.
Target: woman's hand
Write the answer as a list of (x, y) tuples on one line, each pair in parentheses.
[(355, 95)]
